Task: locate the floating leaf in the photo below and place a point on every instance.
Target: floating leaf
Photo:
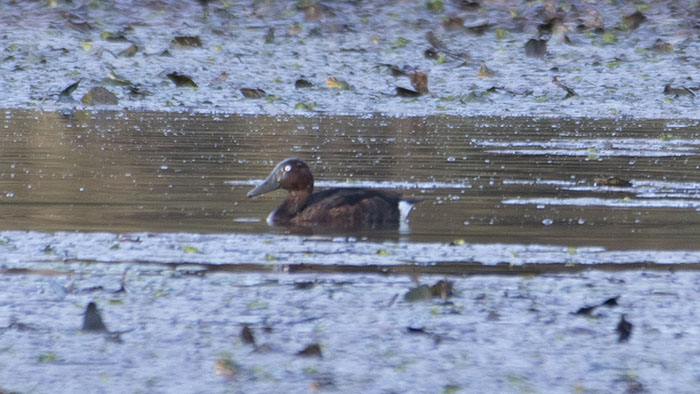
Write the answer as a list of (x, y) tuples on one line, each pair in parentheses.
[(419, 81), (48, 357), (313, 350), (453, 23), (190, 249), (118, 80), (451, 389), (661, 46), (536, 48), (434, 5), (270, 36), (113, 36), (479, 29), (501, 34), (100, 96), (401, 42), (433, 40), (403, 92), (335, 83), (305, 106), (130, 51), (420, 293), (247, 335), (181, 80), (633, 21), (569, 92), (624, 329), (302, 83), (185, 42), (226, 368), (484, 71), (253, 93), (92, 321), (86, 45), (65, 95), (680, 91), (609, 38), (442, 289), (587, 310)]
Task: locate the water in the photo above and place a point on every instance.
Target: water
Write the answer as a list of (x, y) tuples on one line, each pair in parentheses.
[(511, 216), (506, 180)]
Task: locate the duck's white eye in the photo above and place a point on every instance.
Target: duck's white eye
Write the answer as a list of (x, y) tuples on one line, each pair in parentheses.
[(287, 168)]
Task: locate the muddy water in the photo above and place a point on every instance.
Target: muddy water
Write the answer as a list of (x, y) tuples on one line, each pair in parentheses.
[(507, 180), (159, 204)]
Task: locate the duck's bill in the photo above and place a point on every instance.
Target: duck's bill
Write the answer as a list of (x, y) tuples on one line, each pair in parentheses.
[(268, 185)]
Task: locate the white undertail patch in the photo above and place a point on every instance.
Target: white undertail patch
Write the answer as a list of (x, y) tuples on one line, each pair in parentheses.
[(405, 208)]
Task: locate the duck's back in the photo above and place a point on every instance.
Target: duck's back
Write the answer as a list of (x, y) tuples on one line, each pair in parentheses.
[(351, 208)]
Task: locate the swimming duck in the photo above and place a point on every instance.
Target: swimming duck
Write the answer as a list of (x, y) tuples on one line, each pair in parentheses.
[(339, 208)]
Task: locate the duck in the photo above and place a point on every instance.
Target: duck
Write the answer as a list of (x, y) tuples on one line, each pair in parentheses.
[(335, 208)]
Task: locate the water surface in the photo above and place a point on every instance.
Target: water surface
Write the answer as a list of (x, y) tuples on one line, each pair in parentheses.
[(505, 180)]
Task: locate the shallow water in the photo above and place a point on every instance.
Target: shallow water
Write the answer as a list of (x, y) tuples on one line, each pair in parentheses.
[(613, 67), (505, 180), (511, 215)]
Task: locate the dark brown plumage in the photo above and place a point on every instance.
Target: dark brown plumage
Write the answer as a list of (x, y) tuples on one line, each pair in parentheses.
[(340, 208)]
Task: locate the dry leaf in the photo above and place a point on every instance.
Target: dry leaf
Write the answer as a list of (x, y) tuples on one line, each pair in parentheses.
[(419, 81), (253, 93)]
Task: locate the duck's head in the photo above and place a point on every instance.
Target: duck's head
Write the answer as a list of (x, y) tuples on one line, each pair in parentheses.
[(292, 175)]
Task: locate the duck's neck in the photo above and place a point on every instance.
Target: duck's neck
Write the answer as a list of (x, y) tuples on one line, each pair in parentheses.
[(292, 205)]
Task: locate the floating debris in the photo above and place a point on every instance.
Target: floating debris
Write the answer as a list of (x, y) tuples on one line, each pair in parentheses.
[(247, 335), (485, 72), (479, 28), (633, 21), (419, 293), (334, 83), (302, 83), (226, 368), (270, 36), (253, 93), (92, 321), (313, 350), (99, 95), (433, 41), (65, 95), (419, 81), (453, 23), (403, 92), (681, 91), (535, 47), (588, 310), (186, 42), (569, 91), (181, 80), (624, 329), (661, 46), (611, 181), (443, 289), (130, 51)]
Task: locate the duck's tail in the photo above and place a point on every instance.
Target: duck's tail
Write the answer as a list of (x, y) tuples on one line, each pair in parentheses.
[(405, 207)]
